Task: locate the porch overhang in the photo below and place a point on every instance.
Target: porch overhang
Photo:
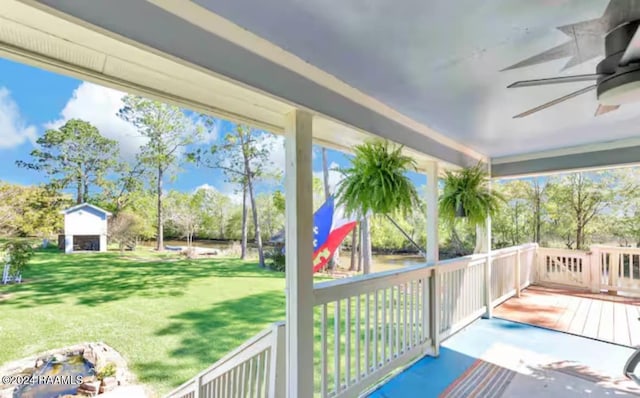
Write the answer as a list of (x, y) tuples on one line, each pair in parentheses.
[(214, 71)]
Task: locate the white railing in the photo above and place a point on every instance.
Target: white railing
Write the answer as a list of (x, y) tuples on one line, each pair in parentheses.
[(253, 370), (463, 290), (565, 267), (367, 326), (617, 269), (370, 325)]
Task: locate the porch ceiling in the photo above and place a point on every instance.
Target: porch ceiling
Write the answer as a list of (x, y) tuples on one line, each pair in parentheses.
[(430, 75)]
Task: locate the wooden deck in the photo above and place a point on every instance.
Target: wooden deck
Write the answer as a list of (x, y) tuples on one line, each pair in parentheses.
[(600, 316)]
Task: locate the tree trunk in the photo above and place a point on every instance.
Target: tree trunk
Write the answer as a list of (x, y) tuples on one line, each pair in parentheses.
[(456, 242), (256, 220), (160, 227), (79, 198), (243, 246), (366, 247), (359, 249), (354, 248), (85, 196)]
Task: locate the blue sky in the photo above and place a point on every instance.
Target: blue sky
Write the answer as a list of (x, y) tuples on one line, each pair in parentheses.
[(32, 100)]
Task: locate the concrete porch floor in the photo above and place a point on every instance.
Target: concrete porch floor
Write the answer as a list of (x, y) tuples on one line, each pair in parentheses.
[(537, 361)]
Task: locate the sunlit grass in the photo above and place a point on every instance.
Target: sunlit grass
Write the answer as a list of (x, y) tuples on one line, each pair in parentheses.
[(169, 317)]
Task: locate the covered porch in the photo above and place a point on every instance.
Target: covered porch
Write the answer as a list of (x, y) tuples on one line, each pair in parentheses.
[(341, 338)]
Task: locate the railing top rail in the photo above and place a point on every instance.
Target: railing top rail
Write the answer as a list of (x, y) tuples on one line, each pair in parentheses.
[(564, 251), (329, 291), (616, 248), (326, 292)]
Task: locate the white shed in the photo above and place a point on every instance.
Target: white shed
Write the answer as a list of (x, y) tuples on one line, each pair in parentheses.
[(85, 228)]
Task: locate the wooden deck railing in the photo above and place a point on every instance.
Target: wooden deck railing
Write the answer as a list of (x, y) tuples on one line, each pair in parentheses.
[(609, 268), (367, 326)]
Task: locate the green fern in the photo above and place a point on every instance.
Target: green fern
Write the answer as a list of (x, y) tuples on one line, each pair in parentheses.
[(377, 182), (468, 189)]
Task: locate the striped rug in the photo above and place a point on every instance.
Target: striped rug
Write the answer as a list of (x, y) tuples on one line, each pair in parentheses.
[(482, 380)]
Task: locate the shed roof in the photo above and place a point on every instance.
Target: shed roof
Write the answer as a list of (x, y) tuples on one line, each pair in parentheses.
[(76, 207)]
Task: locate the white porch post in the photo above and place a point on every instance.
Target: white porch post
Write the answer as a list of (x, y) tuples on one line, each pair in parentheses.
[(433, 256), (299, 252), (488, 265), (432, 212)]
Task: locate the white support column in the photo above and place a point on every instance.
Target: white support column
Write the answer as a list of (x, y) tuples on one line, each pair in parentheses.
[(299, 252), (432, 256), (432, 212), (488, 265)]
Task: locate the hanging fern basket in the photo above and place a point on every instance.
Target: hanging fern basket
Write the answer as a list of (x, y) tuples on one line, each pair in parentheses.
[(460, 211)]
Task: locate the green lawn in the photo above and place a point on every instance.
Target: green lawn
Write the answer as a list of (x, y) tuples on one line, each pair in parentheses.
[(170, 318)]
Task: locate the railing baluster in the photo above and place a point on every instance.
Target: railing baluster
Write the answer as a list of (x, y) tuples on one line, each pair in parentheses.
[(347, 346), (336, 349), (397, 287), (367, 343), (323, 352), (383, 340), (404, 318), (391, 323), (358, 337), (376, 329)]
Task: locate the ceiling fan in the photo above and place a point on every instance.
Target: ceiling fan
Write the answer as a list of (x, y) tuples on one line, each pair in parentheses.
[(617, 77)]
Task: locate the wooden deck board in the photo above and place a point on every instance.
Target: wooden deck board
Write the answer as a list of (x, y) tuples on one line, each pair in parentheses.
[(604, 317)]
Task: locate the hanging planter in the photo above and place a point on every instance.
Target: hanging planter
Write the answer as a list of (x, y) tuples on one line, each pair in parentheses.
[(467, 195), (376, 182), (460, 211)]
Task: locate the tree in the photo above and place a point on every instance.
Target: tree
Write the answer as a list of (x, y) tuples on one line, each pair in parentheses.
[(271, 218), (40, 212), (216, 209), (582, 197), (168, 131), (184, 213), (376, 183), (125, 228), (245, 161), (76, 155)]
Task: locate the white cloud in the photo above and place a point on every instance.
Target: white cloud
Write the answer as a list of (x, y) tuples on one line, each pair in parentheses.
[(99, 106), (274, 144), (233, 191), (205, 187), (13, 128)]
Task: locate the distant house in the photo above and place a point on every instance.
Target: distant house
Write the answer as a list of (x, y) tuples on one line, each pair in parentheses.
[(85, 229)]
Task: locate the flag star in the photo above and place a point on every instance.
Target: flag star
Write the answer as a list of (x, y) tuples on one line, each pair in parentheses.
[(315, 229), (315, 242)]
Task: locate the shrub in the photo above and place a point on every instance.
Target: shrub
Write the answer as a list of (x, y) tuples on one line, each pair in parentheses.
[(108, 370), (18, 254), (276, 259)]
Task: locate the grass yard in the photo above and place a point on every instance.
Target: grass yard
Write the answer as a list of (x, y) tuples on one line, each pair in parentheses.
[(169, 317)]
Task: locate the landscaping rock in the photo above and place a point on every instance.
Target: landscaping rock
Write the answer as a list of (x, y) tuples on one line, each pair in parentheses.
[(108, 384), (91, 388), (98, 354)]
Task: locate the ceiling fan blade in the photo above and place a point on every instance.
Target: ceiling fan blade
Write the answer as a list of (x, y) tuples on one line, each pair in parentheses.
[(632, 53), (556, 101), (555, 80), (602, 109)]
